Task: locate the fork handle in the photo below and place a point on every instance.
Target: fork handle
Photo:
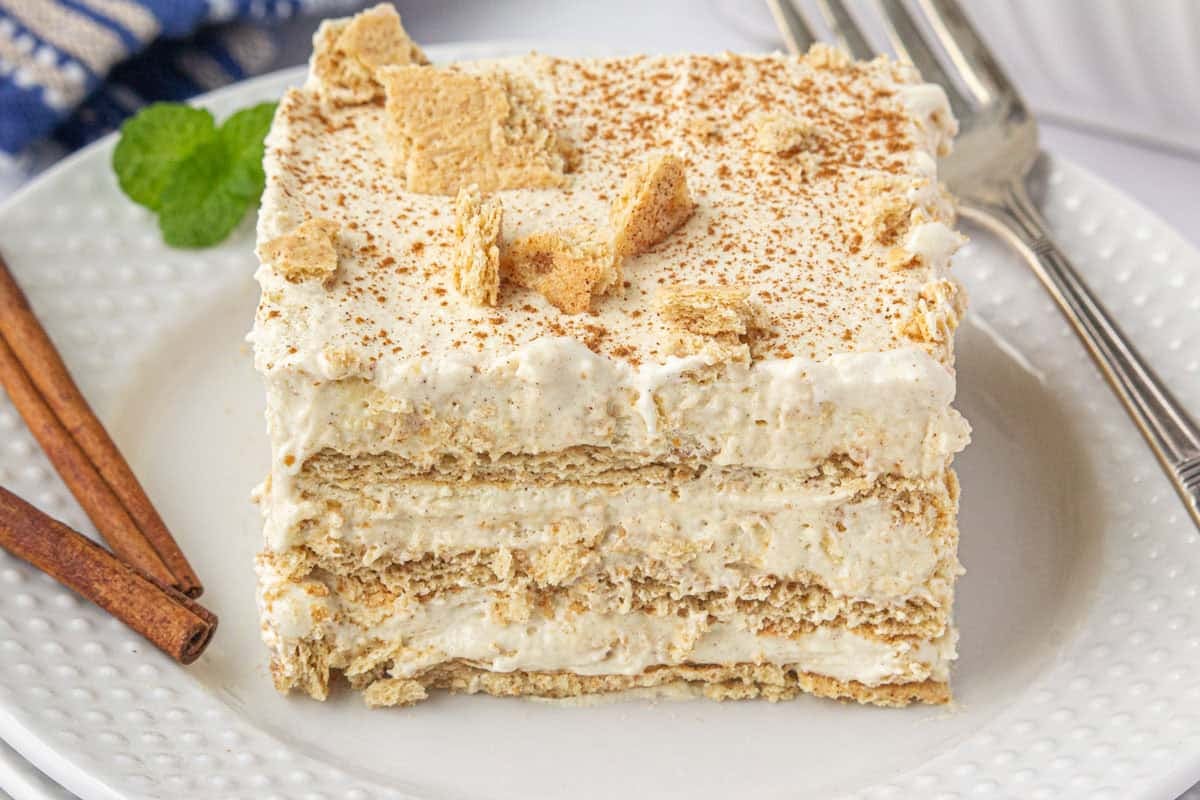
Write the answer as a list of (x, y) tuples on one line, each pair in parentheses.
[(1173, 435)]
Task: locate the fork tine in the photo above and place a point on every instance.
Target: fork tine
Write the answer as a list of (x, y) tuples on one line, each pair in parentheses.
[(910, 43), (966, 49), (847, 31), (797, 35)]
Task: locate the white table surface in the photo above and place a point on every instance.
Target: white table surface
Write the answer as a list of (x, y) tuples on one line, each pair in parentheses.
[(1163, 178)]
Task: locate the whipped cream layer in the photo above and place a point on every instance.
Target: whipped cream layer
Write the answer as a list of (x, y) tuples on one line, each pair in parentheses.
[(460, 626), (889, 412), (706, 534)]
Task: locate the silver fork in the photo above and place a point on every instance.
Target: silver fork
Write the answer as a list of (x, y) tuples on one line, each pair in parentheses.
[(993, 156)]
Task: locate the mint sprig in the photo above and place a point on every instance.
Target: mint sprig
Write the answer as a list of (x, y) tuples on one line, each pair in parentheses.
[(198, 178)]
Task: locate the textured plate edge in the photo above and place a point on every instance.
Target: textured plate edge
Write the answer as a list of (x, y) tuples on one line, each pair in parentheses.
[(54, 766), (23, 781)]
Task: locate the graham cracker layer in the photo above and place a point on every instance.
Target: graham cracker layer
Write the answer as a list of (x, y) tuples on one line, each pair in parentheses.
[(576, 465), (520, 588), (715, 681), (383, 486), (876, 539), (587, 465)]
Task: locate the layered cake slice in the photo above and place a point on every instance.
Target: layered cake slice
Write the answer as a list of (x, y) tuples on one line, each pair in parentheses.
[(587, 376)]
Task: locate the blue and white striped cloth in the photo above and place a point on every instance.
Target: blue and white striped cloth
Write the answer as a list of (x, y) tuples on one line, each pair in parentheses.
[(71, 70)]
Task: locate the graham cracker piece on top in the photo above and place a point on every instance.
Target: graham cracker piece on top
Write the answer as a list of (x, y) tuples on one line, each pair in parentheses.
[(784, 134), (346, 54), (342, 362), (476, 264), (826, 56), (719, 320), (309, 252), (714, 311), (566, 267), (888, 213), (448, 129), (891, 219), (653, 202)]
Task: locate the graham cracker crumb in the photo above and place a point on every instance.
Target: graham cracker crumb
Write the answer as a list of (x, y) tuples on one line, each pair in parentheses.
[(898, 258), (346, 54), (566, 267), (703, 129), (561, 563), (394, 692), (502, 563), (309, 252), (783, 134), (891, 218), (939, 307), (826, 56), (653, 202), (341, 362), (569, 152), (476, 258), (511, 608), (449, 129)]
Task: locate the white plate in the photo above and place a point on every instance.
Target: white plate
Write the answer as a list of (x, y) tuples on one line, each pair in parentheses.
[(1080, 631), (20, 780)]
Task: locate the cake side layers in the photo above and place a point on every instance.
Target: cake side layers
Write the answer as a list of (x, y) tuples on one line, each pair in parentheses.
[(368, 630), (664, 398), (876, 540)]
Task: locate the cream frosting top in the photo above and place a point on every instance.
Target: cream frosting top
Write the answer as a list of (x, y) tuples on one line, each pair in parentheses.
[(798, 231)]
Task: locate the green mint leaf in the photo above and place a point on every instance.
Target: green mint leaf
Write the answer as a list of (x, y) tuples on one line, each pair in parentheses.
[(152, 145), (207, 196), (245, 131), (209, 191)]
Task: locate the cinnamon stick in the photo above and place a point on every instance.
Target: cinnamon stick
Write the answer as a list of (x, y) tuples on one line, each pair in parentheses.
[(36, 353), (172, 621), (90, 489)]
